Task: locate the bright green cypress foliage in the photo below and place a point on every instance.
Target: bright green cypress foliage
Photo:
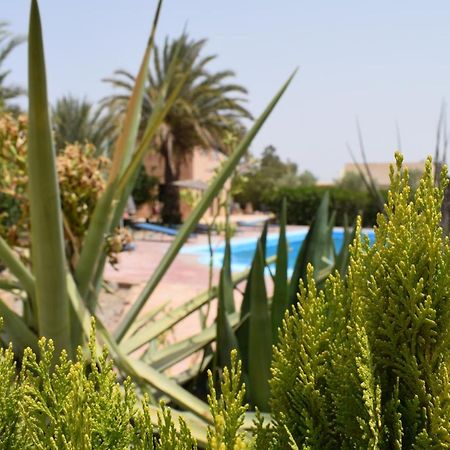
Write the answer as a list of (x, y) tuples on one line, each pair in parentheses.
[(228, 410), (77, 406), (364, 363), (10, 395), (169, 437)]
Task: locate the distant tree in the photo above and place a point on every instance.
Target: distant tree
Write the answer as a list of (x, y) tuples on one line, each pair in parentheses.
[(306, 178), (264, 176), (272, 164), (8, 43), (144, 187), (76, 120), (206, 110), (351, 181)]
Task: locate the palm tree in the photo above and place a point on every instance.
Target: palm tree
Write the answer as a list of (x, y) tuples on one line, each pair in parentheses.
[(76, 120), (7, 44), (206, 111)]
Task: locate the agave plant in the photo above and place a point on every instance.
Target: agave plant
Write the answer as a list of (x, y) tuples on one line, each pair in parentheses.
[(58, 302)]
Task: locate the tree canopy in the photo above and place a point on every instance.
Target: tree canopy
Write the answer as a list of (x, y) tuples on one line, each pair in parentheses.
[(257, 182), (78, 120), (8, 43), (207, 109)]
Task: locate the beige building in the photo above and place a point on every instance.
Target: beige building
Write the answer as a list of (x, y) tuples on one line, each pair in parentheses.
[(198, 165), (196, 171), (380, 171)]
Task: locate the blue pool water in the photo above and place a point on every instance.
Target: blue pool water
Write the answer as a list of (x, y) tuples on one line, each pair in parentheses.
[(242, 250)]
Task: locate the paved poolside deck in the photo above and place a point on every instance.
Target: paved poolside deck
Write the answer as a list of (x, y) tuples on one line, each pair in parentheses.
[(185, 278)]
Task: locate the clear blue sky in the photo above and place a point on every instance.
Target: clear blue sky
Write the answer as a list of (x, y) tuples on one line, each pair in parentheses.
[(379, 61)]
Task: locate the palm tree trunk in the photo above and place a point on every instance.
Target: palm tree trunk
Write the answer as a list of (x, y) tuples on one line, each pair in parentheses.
[(170, 196)]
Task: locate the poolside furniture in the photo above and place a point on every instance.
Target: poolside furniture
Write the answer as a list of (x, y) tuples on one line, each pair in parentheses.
[(202, 228), (254, 221), (144, 226), (128, 247)]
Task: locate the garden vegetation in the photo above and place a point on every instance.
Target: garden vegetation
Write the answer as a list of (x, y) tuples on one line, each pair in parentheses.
[(362, 363)]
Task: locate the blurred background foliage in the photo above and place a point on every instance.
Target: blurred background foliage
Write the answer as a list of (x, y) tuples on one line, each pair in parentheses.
[(82, 179)]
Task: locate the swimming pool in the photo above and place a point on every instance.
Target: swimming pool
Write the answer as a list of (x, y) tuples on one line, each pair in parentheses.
[(242, 250)]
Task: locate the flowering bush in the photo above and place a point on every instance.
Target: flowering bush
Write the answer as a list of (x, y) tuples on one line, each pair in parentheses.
[(81, 180)]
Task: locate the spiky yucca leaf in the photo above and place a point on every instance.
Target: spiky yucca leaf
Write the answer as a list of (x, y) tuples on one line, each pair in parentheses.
[(47, 251), (280, 289)]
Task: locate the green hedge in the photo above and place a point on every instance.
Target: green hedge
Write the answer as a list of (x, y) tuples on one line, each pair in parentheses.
[(303, 202)]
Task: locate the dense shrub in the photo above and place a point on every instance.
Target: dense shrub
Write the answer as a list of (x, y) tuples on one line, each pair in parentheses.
[(303, 202), (365, 363), (13, 180), (144, 187), (258, 178), (81, 175), (80, 406), (80, 172)]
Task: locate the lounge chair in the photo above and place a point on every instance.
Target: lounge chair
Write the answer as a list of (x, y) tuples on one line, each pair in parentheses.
[(254, 221), (144, 226)]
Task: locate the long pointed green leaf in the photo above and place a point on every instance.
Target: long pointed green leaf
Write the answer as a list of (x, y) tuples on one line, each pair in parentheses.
[(315, 249), (93, 245), (263, 239), (100, 225), (197, 213), (127, 139), (17, 267), (226, 339), (97, 281), (147, 318), (153, 330), (225, 282), (343, 257), (178, 394), (260, 336), (242, 334), (163, 104), (16, 330), (280, 290), (47, 243), (172, 354)]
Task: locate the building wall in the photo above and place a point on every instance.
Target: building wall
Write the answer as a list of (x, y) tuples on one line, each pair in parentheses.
[(380, 171), (205, 164), (201, 165), (155, 166)]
